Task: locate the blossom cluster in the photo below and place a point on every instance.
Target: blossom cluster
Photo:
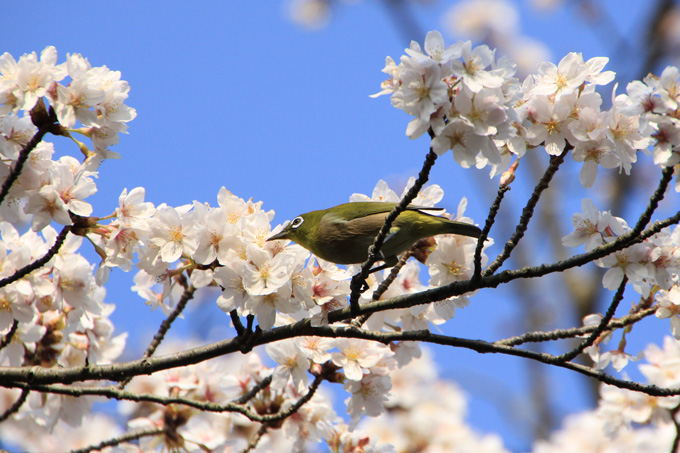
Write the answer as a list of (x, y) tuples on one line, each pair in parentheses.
[(278, 283), (220, 381), (59, 315), (94, 97), (474, 105), (468, 101), (625, 420), (651, 266)]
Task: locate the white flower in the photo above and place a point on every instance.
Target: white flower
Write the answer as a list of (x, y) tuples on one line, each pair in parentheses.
[(315, 348), (369, 396), (465, 143), (172, 230), (593, 153), (292, 364), (669, 307), (264, 274), (73, 275), (435, 49), (230, 278), (34, 78), (133, 211), (550, 124), (356, 356), (473, 68), (266, 306), (593, 227), (631, 262), (422, 92), (14, 306), (564, 78), (46, 205), (452, 260)]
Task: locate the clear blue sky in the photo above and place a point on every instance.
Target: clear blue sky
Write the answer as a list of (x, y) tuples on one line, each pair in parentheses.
[(234, 94)]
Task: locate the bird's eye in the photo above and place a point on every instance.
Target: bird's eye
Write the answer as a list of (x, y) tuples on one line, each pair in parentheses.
[(297, 221)]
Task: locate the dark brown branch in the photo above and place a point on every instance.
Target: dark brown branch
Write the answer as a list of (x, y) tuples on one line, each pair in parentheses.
[(7, 339), (34, 376), (602, 326), (562, 334), (238, 406), (527, 212), (187, 295), (120, 439), (37, 264), (253, 443), (16, 405), (45, 122), (485, 232), (374, 250)]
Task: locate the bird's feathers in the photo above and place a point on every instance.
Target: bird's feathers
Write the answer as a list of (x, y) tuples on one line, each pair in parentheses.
[(344, 233)]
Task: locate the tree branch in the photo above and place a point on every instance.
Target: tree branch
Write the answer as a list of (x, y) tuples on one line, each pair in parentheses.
[(16, 405), (563, 334), (602, 326), (45, 122), (527, 212), (374, 250), (120, 439), (37, 264), (187, 295)]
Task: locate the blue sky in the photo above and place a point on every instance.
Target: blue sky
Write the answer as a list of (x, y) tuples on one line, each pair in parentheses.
[(234, 94)]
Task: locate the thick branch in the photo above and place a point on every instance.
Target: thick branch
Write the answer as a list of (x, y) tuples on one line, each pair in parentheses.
[(18, 377)]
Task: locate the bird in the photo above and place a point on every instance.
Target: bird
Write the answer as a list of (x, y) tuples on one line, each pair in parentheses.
[(342, 234)]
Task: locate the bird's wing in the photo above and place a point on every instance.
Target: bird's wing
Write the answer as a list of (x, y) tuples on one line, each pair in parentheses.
[(369, 208)]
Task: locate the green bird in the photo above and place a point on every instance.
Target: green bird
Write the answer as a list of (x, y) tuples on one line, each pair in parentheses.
[(343, 234)]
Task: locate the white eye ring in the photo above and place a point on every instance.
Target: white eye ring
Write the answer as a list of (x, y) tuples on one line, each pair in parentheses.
[(297, 221)]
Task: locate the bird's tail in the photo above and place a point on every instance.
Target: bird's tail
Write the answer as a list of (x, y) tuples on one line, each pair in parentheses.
[(463, 229)]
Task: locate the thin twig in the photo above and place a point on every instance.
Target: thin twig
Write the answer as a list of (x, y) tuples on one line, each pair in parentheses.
[(491, 218), (527, 212), (45, 123), (264, 383), (7, 339), (16, 405), (374, 250), (602, 326), (562, 334), (380, 290), (122, 395), (253, 443), (187, 295), (646, 216), (120, 439), (676, 440), (24, 271)]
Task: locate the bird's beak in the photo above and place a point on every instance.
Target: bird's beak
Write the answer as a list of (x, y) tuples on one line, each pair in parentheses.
[(280, 235)]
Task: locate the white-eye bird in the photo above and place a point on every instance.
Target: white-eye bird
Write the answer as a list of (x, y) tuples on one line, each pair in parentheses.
[(342, 234)]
